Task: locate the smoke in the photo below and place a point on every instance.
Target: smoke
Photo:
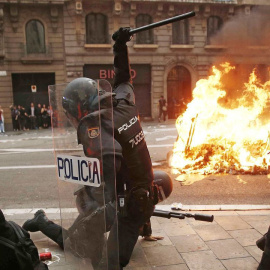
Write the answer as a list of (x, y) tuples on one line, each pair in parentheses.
[(243, 31), (244, 35)]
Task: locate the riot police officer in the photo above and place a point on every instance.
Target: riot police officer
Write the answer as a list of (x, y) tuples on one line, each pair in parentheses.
[(86, 104)]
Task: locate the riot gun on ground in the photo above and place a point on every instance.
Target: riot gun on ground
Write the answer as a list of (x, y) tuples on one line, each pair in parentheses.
[(168, 214)]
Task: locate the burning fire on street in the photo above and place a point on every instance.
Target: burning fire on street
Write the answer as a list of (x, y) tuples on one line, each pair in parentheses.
[(217, 134)]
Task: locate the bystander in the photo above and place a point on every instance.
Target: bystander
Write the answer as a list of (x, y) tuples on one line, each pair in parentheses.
[(2, 126), (32, 116)]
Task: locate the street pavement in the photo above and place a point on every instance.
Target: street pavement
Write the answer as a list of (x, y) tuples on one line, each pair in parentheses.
[(229, 242)]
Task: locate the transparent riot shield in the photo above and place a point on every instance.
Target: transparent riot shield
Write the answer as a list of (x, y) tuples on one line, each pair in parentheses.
[(86, 181)]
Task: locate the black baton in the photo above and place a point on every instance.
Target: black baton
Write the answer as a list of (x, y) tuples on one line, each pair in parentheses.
[(160, 23)]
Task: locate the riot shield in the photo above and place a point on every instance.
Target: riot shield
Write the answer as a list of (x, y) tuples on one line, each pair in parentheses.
[(86, 181)]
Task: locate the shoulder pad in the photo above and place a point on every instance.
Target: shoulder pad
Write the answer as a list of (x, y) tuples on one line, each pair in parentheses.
[(125, 91), (90, 120)]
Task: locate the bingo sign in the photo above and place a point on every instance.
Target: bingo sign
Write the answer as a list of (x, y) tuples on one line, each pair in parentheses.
[(79, 170)]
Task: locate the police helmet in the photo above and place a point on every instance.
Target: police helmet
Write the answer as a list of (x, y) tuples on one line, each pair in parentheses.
[(81, 97), (164, 183)]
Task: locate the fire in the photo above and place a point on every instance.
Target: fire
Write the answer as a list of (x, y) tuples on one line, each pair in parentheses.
[(217, 134)]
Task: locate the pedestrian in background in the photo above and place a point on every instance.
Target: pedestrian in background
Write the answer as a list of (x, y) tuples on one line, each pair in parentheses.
[(39, 116), (45, 116), (22, 118), (2, 128), (14, 116), (162, 104), (32, 116)]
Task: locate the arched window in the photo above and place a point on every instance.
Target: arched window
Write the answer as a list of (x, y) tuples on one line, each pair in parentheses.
[(35, 37), (180, 32), (214, 24), (96, 28), (144, 37)]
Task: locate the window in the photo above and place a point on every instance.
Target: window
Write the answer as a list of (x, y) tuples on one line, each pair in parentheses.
[(144, 37), (96, 28), (35, 37), (180, 32), (214, 24)]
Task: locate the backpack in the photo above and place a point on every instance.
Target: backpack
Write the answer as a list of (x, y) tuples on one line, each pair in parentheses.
[(25, 250)]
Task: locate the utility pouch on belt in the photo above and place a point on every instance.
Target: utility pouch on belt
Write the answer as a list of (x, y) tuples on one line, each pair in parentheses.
[(122, 202), (138, 200)]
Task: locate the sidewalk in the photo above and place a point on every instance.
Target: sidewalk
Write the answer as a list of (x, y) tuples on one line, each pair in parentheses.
[(229, 242)]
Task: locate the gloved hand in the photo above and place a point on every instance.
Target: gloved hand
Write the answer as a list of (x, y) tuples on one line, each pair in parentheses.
[(122, 35)]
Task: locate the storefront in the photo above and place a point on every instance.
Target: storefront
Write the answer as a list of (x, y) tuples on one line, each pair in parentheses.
[(141, 76), (31, 87)]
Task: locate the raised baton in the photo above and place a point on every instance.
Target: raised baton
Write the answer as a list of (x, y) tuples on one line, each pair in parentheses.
[(160, 23)]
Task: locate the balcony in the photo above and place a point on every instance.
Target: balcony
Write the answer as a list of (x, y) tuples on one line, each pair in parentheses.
[(149, 45), (41, 56), (98, 44), (176, 45)]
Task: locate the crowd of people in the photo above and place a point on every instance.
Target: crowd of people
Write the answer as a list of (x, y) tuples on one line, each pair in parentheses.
[(34, 117)]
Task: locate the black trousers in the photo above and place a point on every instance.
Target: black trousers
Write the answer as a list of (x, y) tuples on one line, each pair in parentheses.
[(127, 229)]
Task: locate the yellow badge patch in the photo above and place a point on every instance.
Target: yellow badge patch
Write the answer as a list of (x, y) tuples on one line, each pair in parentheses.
[(93, 132)]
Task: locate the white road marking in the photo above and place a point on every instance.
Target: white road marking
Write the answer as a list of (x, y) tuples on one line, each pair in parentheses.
[(33, 138), (166, 138), (160, 145), (30, 150), (8, 153), (26, 150), (27, 167), (45, 166)]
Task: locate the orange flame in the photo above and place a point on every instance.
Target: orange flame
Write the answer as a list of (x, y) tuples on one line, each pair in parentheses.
[(213, 138)]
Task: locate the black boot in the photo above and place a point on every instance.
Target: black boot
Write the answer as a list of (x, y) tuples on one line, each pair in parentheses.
[(35, 224), (40, 222), (265, 261), (261, 242)]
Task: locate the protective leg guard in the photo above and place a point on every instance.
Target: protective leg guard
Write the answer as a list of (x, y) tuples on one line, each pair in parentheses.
[(40, 222), (265, 261)]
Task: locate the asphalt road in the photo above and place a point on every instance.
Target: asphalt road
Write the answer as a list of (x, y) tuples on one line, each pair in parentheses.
[(28, 176)]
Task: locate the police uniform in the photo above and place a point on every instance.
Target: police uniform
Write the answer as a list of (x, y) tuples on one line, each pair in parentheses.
[(133, 162), (121, 149)]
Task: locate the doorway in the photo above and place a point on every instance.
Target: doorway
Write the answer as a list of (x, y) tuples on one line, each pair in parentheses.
[(31, 87), (178, 91)]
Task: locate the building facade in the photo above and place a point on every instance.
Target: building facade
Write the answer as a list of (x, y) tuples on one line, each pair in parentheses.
[(53, 42)]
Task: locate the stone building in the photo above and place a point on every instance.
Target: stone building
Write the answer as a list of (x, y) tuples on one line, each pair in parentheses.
[(32, 54), (53, 42)]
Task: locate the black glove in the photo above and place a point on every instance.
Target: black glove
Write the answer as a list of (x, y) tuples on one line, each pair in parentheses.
[(122, 35)]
